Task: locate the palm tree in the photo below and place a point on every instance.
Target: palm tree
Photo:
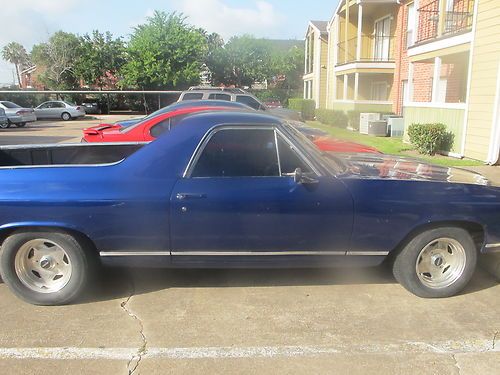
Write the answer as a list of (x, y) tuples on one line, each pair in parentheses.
[(16, 54)]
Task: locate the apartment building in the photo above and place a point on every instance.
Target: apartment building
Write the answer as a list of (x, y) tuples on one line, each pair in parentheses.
[(427, 60), (316, 58)]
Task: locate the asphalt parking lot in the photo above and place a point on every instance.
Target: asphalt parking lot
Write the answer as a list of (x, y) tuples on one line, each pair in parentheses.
[(248, 321)]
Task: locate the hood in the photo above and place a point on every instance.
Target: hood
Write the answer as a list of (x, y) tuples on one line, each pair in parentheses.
[(407, 169)]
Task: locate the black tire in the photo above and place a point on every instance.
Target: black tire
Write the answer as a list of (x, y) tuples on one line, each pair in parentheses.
[(5, 125), (66, 116), (405, 263), (21, 124), (78, 254)]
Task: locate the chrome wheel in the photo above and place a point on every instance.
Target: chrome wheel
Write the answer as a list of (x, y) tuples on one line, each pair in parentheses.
[(43, 266), (66, 116), (441, 263)]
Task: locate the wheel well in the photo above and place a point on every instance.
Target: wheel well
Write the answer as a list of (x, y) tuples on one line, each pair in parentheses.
[(81, 237), (475, 230)]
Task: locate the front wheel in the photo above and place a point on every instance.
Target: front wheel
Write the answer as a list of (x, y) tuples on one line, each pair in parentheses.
[(437, 263), (44, 268), (5, 125), (66, 116)]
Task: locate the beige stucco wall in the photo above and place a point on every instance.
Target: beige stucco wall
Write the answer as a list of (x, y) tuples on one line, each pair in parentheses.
[(485, 67)]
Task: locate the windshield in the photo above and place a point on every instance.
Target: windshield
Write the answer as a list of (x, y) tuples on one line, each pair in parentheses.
[(10, 105), (332, 163)]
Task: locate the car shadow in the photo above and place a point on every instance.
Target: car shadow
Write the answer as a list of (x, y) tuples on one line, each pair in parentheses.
[(118, 283), (32, 140)]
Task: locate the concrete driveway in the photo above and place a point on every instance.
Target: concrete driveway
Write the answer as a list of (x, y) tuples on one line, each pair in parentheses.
[(248, 321)]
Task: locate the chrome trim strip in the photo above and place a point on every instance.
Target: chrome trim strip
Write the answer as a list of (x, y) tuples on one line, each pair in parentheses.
[(133, 253), (492, 245), (254, 253), (367, 253)]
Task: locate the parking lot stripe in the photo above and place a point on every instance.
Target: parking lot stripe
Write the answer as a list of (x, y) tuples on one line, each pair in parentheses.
[(65, 353)]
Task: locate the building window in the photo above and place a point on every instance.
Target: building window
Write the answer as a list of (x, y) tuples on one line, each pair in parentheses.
[(379, 91), (410, 25)]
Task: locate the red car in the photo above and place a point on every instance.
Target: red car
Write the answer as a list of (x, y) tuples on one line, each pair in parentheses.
[(151, 128), (144, 131)]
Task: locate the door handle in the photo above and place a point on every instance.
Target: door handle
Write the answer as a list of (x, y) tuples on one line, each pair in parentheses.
[(184, 196)]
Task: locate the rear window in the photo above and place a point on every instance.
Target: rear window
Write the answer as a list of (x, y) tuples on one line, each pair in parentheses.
[(249, 101), (192, 96), (10, 105)]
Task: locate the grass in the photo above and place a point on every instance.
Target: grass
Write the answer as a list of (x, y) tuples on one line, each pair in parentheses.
[(393, 146)]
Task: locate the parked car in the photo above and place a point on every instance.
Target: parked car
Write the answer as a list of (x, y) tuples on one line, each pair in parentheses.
[(240, 96), (145, 131), (91, 108), (273, 103), (327, 143), (59, 109), (234, 189), (4, 121), (16, 114), (181, 105)]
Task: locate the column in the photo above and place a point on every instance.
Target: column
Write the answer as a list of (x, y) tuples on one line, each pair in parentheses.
[(411, 70), (356, 85), (360, 29), (436, 79), (346, 31), (346, 85)]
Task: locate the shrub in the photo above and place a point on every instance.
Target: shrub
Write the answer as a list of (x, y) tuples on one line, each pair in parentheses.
[(427, 138), (353, 119), (306, 107), (331, 117)]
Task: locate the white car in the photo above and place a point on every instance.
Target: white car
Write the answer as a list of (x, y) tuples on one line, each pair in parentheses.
[(16, 114), (59, 109)]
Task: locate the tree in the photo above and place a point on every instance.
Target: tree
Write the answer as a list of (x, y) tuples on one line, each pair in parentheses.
[(288, 68), (58, 58), (16, 54), (164, 53), (99, 57)]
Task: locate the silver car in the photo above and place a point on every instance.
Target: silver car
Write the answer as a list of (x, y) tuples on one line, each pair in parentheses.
[(16, 114), (59, 109)]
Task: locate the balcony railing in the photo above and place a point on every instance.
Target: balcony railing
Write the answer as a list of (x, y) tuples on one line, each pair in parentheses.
[(374, 48), (457, 19)]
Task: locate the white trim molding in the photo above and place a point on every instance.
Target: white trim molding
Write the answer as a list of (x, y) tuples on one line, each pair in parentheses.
[(365, 65), (440, 44), (462, 106), (363, 102)]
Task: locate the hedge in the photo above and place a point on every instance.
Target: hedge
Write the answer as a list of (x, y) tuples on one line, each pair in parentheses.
[(330, 117), (427, 138), (306, 107)]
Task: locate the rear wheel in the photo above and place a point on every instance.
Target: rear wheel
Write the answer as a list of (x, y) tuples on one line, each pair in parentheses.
[(66, 116), (436, 263), (5, 125), (21, 124), (44, 268)]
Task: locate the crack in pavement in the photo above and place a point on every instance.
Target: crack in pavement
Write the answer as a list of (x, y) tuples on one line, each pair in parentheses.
[(456, 364), (134, 361)]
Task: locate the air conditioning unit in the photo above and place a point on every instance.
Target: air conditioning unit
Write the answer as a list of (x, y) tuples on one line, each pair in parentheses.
[(378, 128), (396, 126), (364, 120)]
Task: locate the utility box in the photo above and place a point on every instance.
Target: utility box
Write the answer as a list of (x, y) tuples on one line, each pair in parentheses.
[(396, 126), (378, 128), (364, 120)]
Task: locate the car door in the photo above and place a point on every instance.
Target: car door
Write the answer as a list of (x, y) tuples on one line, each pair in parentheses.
[(239, 198), (43, 110), (57, 109)]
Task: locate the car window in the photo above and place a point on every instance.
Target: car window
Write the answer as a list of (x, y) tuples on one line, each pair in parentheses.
[(58, 105), (239, 153), (10, 105), (192, 96), (249, 101), (220, 97), (289, 158), (44, 106), (160, 128)]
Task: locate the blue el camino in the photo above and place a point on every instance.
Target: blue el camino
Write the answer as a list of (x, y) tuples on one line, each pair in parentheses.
[(235, 189)]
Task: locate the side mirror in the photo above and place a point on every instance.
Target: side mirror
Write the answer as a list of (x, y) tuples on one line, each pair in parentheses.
[(302, 178)]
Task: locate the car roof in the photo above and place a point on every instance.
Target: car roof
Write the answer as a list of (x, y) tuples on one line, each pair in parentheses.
[(207, 103)]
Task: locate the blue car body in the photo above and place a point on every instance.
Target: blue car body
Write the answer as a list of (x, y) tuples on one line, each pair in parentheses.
[(146, 211)]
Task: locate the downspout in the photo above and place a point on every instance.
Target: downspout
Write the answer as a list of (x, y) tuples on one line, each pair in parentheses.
[(494, 151)]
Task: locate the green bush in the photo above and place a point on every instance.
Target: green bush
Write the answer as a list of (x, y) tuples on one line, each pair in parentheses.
[(330, 117), (427, 138), (353, 119), (305, 106)]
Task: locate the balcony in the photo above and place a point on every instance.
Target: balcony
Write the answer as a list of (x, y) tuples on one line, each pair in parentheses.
[(441, 19), (374, 48)]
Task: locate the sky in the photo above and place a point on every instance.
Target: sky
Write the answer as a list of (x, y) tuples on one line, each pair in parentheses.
[(32, 21)]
